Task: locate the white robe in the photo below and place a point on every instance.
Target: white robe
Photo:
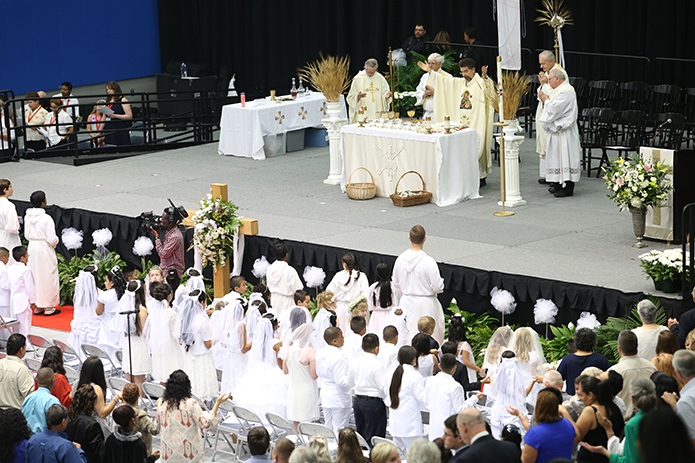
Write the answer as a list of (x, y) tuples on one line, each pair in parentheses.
[(9, 226), (376, 88), (321, 323), (283, 282), (346, 292), (405, 421), (427, 102), (444, 397), (559, 120), (541, 136), (5, 310), (416, 275), (22, 295), (39, 229)]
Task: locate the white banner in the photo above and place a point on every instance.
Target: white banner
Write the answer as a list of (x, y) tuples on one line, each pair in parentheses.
[(509, 33)]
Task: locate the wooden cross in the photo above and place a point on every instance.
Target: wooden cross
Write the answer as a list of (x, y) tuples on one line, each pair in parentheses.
[(302, 112), (371, 89), (279, 117)]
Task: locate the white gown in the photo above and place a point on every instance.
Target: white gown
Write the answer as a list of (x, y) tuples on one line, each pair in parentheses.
[(163, 343), (198, 363), (379, 315), (303, 391), (109, 335), (9, 226), (39, 229), (85, 324), (559, 120), (345, 293)]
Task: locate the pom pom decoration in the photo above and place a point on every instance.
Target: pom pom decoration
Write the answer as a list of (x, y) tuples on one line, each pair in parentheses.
[(72, 238), (314, 276), (544, 311), (102, 237), (143, 246), (503, 301), (398, 57), (588, 320), (260, 267)]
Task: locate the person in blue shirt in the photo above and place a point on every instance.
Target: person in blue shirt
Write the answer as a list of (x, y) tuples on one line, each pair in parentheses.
[(53, 444), (259, 443), (38, 402)]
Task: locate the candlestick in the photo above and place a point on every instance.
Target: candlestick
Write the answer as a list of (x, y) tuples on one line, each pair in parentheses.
[(428, 122), (500, 87), (447, 122)]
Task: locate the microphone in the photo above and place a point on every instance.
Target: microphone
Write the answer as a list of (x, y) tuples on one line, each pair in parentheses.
[(666, 122), (129, 312)]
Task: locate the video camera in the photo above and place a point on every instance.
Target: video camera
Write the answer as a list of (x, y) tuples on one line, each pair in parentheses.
[(150, 220)]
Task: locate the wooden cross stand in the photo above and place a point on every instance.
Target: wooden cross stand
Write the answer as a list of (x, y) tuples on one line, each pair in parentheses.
[(247, 227)]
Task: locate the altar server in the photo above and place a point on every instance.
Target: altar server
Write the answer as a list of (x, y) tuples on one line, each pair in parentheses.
[(40, 230), (367, 376), (332, 369), (22, 290), (407, 398), (425, 89), (9, 221), (369, 89), (348, 285), (4, 291), (283, 280), (416, 275)]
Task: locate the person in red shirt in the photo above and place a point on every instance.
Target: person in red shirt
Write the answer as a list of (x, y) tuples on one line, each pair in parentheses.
[(170, 246), (53, 359)]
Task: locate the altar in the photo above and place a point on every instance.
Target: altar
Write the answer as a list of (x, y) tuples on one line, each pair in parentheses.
[(245, 131), (448, 163)]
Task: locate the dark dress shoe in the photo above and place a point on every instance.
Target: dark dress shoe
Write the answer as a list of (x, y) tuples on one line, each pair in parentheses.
[(565, 192), (483, 182), (554, 187), (542, 181)]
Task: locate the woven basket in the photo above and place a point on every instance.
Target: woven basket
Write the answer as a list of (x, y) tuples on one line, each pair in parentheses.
[(360, 191), (420, 197)]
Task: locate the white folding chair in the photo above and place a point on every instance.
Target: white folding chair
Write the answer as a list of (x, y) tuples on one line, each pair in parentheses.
[(153, 391), (96, 351), (282, 427), (116, 384), (40, 344), (237, 433), (378, 440), (33, 364), (70, 355), (363, 444), (315, 429), (71, 374)]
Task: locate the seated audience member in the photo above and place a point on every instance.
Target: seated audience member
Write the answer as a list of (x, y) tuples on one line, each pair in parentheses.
[(664, 362), (282, 450), (145, 426), (125, 445), (511, 433), (445, 454), (481, 445), (58, 121), (648, 333), (95, 127), (53, 359), (92, 375), (52, 445), (349, 450), (38, 402), (451, 437), (423, 451), (14, 435), (630, 366), (319, 445), (664, 383), (17, 381), (664, 437), (684, 364), (35, 116), (66, 99), (552, 436), (385, 453), (82, 427), (596, 396), (303, 455), (573, 364), (666, 343), (259, 444)]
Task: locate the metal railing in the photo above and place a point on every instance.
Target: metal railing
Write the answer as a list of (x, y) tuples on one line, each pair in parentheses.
[(674, 71)]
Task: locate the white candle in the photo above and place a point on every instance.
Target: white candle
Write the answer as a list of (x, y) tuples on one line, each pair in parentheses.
[(428, 122), (500, 88), (447, 122)]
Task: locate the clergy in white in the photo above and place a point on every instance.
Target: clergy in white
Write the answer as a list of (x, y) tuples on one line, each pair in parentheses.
[(40, 230), (546, 59), (465, 100), (416, 275), (425, 89), (369, 89), (559, 120)]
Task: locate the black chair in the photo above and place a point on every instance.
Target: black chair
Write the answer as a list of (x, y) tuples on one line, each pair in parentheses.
[(602, 93), (634, 96), (689, 112), (528, 106), (594, 127), (582, 90), (628, 132), (669, 136), (665, 99)]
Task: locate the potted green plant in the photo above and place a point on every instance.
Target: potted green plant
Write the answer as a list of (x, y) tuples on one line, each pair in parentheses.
[(665, 268)]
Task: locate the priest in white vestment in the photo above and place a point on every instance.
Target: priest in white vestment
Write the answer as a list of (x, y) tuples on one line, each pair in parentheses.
[(465, 100), (546, 59), (40, 230), (417, 276), (369, 89), (559, 120), (425, 89)]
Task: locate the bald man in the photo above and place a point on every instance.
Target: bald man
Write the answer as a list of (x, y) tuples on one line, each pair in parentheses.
[(483, 448)]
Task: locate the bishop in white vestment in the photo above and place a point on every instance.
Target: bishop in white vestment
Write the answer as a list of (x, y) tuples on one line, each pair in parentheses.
[(547, 62), (559, 120), (425, 89), (370, 89)]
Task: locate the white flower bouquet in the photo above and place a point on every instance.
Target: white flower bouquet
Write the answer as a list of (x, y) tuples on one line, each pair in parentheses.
[(634, 183), (215, 225), (663, 265)]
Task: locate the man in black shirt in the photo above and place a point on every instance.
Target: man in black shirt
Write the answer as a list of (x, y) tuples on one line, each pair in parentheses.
[(417, 42)]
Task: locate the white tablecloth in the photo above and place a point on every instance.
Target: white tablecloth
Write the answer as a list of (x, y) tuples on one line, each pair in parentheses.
[(447, 163), (242, 129)]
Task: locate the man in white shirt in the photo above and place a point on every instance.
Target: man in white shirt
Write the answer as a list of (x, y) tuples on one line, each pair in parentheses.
[(66, 97), (352, 347), (16, 381), (416, 275), (368, 378), (630, 366), (388, 350), (443, 395), (332, 369)]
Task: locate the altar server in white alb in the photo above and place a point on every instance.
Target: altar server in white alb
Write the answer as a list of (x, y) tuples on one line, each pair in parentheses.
[(9, 221), (546, 60), (416, 275), (22, 296), (40, 230), (283, 280), (4, 291), (332, 369), (559, 120), (369, 89), (425, 89)]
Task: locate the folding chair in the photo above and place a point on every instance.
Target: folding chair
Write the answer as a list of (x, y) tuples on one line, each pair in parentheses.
[(378, 440), (39, 342), (363, 445), (315, 429), (96, 351), (33, 364), (153, 391), (116, 384), (70, 351), (71, 374), (237, 432), (282, 427)]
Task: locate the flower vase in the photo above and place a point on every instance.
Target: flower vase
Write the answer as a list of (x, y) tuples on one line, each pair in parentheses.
[(671, 286), (639, 217)]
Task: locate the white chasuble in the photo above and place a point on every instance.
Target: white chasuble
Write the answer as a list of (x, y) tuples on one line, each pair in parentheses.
[(427, 102), (559, 120), (376, 89)]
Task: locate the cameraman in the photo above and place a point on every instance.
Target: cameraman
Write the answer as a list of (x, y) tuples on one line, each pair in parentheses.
[(170, 247)]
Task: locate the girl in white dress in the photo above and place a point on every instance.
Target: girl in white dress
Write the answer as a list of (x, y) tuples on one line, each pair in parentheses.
[(85, 324), (155, 274), (160, 328), (508, 390), (426, 362), (233, 344), (407, 398), (107, 310), (300, 364), (530, 359), (264, 386), (464, 351), (382, 299), (297, 317), (347, 286), (324, 319), (133, 324), (194, 281), (195, 336), (498, 343)]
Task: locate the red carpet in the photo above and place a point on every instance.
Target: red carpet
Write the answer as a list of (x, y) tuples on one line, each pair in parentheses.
[(59, 322)]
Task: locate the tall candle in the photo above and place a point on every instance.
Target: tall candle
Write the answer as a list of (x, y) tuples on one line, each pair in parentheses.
[(428, 122), (447, 122), (500, 88)]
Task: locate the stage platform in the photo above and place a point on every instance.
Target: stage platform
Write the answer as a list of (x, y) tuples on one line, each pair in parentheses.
[(583, 239)]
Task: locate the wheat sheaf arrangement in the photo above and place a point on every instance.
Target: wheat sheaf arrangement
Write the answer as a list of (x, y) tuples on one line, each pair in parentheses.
[(328, 75), (516, 86)]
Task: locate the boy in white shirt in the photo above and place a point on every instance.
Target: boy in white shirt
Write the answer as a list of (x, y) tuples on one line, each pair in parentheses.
[(388, 350), (352, 348), (368, 377), (4, 291), (9, 221), (22, 290), (332, 369)]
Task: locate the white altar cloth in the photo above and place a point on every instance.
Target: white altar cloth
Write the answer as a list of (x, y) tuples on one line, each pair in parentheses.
[(447, 163), (242, 129)]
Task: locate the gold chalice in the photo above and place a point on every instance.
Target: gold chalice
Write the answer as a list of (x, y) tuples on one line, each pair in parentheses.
[(411, 113)]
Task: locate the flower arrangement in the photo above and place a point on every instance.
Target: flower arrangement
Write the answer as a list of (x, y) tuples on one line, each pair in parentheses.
[(215, 225), (329, 75), (636, 184), (663, 265)]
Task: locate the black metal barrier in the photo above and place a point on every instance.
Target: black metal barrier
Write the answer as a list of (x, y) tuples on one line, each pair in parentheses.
[(688, 245), (487, 56), (674, 71), (602, 66)]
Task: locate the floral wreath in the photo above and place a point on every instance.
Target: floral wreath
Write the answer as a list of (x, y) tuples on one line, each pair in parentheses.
[(355, 302)]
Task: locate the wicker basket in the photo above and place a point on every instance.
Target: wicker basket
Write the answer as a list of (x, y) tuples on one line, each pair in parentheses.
[(420, 197), (360, 191)]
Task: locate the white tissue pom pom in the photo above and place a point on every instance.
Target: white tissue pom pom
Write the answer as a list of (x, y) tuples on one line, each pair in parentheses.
[(314, 276), (453, 301), (544, 311), (588, 320), (398, 57), (102, 237), (260, 267), (72, 238), (570, 325), (143, 246), (502, 300)]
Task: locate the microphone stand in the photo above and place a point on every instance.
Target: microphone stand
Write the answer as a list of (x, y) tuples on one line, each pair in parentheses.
[(656, 131), (130, 348)]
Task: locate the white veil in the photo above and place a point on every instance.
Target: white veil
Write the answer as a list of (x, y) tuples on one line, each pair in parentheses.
[(193, 283), (263, 341), (499, 341), (125, 304), (186, 319), (85, 298), (508, 389), (157, 326), (231, 330), (526, 344), (301, 342)]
